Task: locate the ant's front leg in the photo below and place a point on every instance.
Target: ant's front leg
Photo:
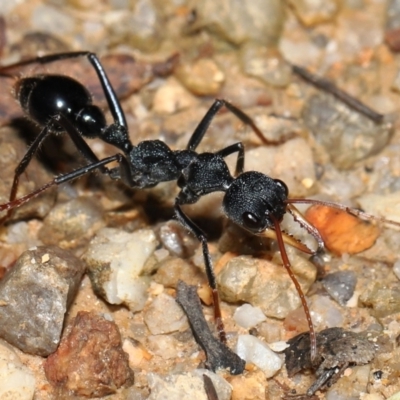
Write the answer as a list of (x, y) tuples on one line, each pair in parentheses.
[(200, 235)]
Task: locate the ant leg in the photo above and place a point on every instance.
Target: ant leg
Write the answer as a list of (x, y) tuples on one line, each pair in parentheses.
[(287, 265), (62, 179), (227, 151), (204, 124), (80, 144), (299, 217), (193, 228)]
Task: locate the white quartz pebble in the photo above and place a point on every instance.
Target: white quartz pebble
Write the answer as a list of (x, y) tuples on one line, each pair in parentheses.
[(255, 351)]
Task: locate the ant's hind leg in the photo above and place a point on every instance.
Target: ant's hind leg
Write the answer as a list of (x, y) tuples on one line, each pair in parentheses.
[(79, 142)]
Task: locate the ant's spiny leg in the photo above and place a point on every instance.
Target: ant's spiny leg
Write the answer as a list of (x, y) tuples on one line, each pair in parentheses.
[(192, 227), (286, 263), (70, 176)]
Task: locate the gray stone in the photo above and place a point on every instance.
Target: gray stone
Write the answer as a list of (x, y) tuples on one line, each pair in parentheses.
[(340, 285), (34, 297), (347, 135)]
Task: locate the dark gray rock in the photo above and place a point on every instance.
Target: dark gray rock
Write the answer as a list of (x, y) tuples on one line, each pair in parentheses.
[(34, 297), (340, 285)]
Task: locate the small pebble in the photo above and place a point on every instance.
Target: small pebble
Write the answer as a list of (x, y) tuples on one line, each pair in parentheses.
[(347, 135), (266, 65), (325, 313), (340, 285), (172, 97), (382, 300), (248, 316), (237, 22), (387, 205), (90, 361), (255, 351), (164, 346), (115, 261), (35, 297), (17, 382), (264, 284), (396, 269), (164, 315), (70, 221), (202, 77), (187, 386), (314, 12)]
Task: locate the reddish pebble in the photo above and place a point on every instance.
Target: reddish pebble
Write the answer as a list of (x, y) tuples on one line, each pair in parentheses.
[(90, 360)]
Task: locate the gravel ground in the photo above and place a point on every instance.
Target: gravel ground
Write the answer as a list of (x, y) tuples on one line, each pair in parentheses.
[(123, 334)]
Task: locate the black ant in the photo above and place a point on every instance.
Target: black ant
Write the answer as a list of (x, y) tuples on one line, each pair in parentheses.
[(252, 200)]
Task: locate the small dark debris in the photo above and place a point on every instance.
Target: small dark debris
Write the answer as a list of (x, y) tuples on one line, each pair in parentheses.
[(218, 354), (377, 375), (336, 350), (209, 388)]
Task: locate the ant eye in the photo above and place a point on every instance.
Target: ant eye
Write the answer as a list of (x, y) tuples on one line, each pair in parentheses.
[(250, 221), (283, 186)]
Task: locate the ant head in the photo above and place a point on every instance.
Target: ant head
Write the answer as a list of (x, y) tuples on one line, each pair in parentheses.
[(254, 200)]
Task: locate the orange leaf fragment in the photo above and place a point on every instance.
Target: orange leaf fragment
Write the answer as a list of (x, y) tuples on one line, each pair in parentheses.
[(342, 232)]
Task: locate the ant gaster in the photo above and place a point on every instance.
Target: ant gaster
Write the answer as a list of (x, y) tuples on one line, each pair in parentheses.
[(252, 200)]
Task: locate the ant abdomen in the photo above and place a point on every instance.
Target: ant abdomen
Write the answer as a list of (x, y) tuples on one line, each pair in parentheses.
[(43, 97)]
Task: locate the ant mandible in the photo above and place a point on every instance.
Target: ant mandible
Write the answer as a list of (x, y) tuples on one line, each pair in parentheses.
[(252, 200)]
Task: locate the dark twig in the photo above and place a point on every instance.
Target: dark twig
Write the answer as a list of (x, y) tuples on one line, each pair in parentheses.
[(330, 87), (218, 354)]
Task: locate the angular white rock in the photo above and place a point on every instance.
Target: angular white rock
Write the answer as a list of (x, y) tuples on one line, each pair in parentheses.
[(255, 351), (116, 258), (248, 316), (17, 382)]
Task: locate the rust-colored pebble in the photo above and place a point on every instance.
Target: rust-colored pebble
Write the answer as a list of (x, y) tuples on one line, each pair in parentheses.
[(90, 360)]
